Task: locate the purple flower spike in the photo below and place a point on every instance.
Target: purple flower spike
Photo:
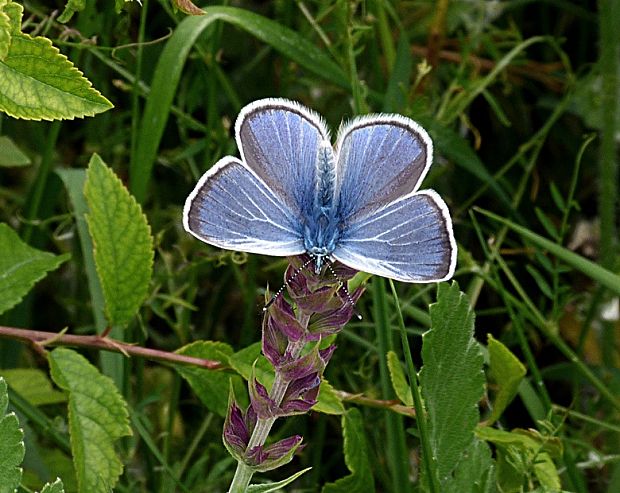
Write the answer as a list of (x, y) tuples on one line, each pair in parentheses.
[(238, 427), (264, 405), (262, 458), (301, 395), (312, 362)]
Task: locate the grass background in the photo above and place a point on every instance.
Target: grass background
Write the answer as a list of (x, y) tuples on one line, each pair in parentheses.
[(521, 100)]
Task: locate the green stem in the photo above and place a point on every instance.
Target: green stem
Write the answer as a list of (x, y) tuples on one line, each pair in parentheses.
[(427, 451), (395, 445), (36, 196)]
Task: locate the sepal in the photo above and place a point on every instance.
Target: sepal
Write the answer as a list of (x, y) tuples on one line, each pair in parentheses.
[(265, 458)]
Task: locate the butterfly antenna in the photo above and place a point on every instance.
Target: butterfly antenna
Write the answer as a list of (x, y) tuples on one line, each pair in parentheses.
[(344, 288), (286, 283)]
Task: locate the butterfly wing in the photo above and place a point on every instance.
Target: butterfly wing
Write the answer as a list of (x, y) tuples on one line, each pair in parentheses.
[(409, 240), (387, 228), (279, 141), (380, 158), (232, 208)]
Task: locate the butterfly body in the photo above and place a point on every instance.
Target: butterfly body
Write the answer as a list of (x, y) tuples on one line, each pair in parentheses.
[(357, 202)]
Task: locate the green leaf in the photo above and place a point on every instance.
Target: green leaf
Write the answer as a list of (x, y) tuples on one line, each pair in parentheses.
[(14, 11), (557, 197), (122, 241), (475, 472), (55, 487), (546, 223), (33, 385), (11, 445), (269, 487), (399, 381), (328, 401), (11, 155), (507, 372), (71, 8), (540, 281), (37, 82), (524, 454), (21, 266), (452, 380), (97, 418), (74, 180), (168, 72), (211, 386), (5, 34), (355, 457), (589, 268), (399, 83)]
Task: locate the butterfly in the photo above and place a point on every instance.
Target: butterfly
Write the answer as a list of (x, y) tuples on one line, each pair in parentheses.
[(357, 202)]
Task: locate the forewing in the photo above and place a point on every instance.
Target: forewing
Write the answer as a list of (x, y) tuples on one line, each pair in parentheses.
[(233, 209), (279, 141), (409, 240), (380, 158)]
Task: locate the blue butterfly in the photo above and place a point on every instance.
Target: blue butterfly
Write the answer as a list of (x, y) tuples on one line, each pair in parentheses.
[(292, 192)]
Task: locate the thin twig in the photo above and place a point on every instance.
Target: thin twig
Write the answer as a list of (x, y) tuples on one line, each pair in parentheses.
[(39, 339)]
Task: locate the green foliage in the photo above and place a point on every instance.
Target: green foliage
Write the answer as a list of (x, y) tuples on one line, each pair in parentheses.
[(11, 155), (475, 472), (33, 385), (97, 418), (328, 402), (277, 486), (514, 104), (168, 72), (355, 456), (122, 242), (55, 487), (451, 379), (21, 266), (210, 386), (399, 381), (11, 445), (506, 372), (37, 82), (525, 458)]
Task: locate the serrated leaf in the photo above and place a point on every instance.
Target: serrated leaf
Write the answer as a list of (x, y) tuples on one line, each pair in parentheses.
[(71, 8), (507, 372), (355, 457), (14, 11), (399, 381), (11, 445), (37, 82), (452, 380), (122, 242), (55, 487), (11, 155), (21, 266), (97, 418), (269, 487), (33, 385), (475, 472), (211, 386), (328, 401), (5, 34)]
